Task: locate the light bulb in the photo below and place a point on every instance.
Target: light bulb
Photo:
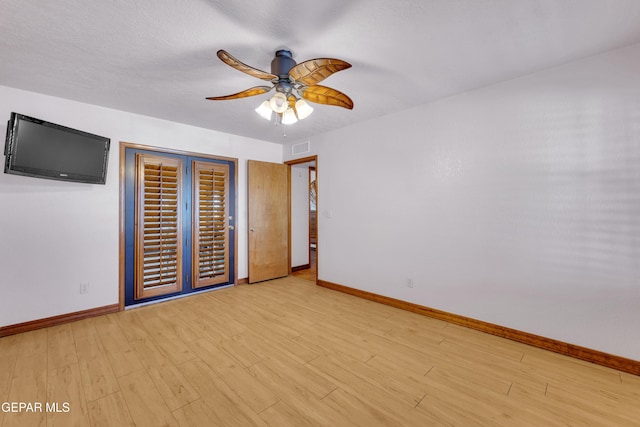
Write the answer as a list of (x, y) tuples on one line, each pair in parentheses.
[(279, 103), (303, 109), (265, 110), (289, 117)]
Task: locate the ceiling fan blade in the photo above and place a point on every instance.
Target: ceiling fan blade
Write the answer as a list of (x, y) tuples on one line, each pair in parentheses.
[(240, 66), (257, 90), (314, 71), (326, 95)]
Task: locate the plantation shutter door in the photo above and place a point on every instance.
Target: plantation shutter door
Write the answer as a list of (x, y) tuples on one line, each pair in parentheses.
[(210, 224), (158, 243)]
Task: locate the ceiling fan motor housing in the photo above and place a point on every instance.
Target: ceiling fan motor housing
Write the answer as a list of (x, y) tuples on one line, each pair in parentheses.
[(282, 63), (280, 66)]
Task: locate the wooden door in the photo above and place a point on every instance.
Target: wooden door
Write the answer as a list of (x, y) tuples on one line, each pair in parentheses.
[(268, 206), (179, 224), (210, 250), (159, 226)]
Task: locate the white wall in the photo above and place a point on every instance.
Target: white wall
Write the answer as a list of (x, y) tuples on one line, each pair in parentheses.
[(517, 204), (55, 235), (299, 215)]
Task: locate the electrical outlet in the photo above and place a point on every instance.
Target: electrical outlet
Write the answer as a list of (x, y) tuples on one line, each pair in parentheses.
[(84, 288), (409, 283)]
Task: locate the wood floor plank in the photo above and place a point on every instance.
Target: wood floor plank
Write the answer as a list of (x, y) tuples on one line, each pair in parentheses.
[(270, 345), (144, 402), (483, 352), (121, 356), (406, 389), (290, 377), (84, 327), (480, 379), (400, 371), (131, 323), (553, 412), (220, 401), (149, 353), (110, 411), (7, 364), (33, 342), (493, 407), (172, 386), (483, 340), (242, 348), (66, 397), (630, 380), (61, 348), (563, 368), (110, 332), (312, 411), (174, 322), (363, 412), (251, 391), (397, 352), (89, 347), (262, 327), (98, 378), (608, 410), (167, 340), (9, 344), (346, 343), (416, 339), (124, 362), (283, 415), (28, 385), (298, 348), (377, 396), (198, 413)]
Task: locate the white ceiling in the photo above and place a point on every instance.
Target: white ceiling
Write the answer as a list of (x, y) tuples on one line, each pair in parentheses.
[(157, 58)]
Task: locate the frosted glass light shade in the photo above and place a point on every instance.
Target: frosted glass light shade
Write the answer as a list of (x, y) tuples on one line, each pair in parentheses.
[(279, 103), (303, 109), (289, 117), (265, 110)]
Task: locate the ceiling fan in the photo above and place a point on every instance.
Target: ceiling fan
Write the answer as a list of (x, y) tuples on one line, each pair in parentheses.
[(294, 83)]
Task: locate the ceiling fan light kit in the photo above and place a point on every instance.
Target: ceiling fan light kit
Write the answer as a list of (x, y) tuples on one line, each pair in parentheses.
[(289, 117), (303, 109), (279, 103), (265, 110), (294, 84)]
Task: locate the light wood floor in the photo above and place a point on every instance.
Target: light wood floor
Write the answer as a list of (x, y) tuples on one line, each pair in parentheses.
[(288, 353), (311, 272)]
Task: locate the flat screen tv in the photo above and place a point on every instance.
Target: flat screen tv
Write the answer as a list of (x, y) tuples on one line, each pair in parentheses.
[(42, 149)]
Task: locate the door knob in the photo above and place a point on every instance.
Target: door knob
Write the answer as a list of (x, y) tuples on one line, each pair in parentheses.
[(231, 227), (252, 229)]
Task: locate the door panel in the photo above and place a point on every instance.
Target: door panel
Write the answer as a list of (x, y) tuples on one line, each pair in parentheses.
[(176, 202), (210, 224), (158, 244), (268, 206)]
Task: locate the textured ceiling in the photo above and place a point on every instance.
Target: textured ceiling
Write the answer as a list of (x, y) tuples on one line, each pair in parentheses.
[(157, 58)]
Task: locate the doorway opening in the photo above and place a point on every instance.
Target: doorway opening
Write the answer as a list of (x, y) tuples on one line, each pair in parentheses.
[(177, 223), (303, 227)]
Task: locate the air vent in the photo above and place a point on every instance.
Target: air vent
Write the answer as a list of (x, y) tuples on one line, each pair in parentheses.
[(303, 147)]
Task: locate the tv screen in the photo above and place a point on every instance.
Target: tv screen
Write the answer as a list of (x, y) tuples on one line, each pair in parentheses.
[(42, 149)]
